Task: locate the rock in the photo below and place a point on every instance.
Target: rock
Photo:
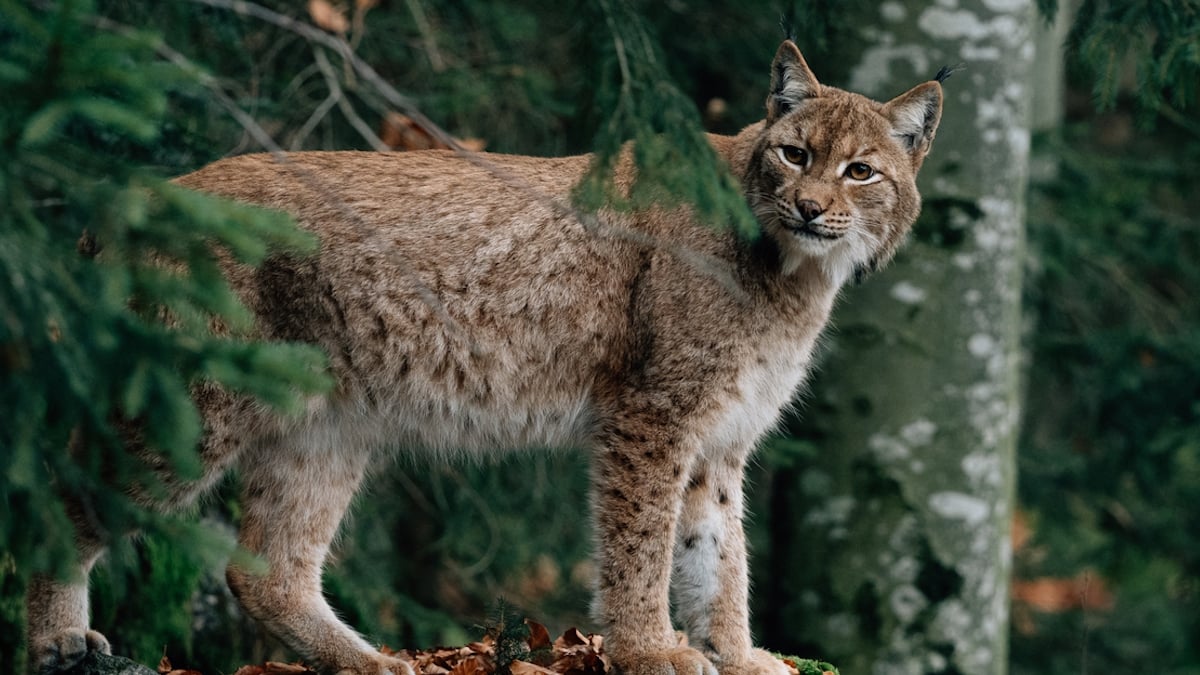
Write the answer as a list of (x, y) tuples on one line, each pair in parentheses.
[(96, 663)]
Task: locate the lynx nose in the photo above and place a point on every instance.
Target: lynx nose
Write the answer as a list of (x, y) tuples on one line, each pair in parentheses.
[(809, 210)]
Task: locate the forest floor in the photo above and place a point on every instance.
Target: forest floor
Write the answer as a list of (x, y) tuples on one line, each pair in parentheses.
[(525, 649)]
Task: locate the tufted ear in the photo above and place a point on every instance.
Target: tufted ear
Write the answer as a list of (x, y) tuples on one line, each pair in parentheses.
[(915, 115), (791, 81)]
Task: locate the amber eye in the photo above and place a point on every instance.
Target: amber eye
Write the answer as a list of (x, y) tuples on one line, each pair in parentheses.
[(794, 155), (859, 171)]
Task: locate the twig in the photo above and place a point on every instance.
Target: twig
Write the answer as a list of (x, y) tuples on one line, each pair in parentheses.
[(489, 519), (343, 103), (314, 119), (296, 84), (431, 49), (1087, 628), (1179, 119), (343, 49)]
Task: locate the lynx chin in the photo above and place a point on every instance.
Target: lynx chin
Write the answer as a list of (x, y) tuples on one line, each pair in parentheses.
[(461, 315)]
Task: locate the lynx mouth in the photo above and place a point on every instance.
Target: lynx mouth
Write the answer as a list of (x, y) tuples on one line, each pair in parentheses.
[(813, 231)]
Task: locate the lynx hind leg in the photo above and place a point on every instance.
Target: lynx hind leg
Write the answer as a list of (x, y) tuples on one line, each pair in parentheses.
[(57, 612), (295, 494), (709, 579)]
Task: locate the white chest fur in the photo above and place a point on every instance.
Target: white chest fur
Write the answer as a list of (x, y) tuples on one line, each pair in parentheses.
[(764, 387)]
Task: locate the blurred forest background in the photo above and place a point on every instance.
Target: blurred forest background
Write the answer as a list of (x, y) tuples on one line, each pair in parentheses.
[(105, 100)]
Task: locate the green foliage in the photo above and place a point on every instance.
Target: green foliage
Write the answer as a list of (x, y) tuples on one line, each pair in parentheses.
[(1047, 8), (1159, 40), (109, 283), (466, 540), (788, 452), (809, 666), (93, 119), (12, 614), (1110, 462), (163, 569), (674, 163), (507, 627)]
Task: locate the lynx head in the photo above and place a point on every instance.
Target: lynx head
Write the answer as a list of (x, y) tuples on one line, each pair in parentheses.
[(832, 174)]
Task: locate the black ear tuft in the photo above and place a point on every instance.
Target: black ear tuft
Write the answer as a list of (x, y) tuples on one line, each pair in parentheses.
[(787, 23), (946, 71)]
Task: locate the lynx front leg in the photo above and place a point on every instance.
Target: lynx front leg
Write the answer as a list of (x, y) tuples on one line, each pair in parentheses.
[(295, 498), (638, 484), (709, 579), (59, 636)]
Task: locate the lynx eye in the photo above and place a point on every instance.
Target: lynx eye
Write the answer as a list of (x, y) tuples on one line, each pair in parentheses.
[(859, 171), (793, 155)]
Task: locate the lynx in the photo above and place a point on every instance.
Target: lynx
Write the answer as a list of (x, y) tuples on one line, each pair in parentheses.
[(465, 308)]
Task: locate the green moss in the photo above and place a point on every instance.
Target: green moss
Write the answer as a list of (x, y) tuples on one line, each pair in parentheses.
[(809, 666)]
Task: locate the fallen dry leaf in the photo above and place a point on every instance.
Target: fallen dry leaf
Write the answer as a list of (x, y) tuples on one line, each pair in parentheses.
[(572, 653), (401, 132), (276, 668), (519, 667), (165, 668), (472, 665), (572, 637), (1022, 530), (327, 16), (1053, 595), (539, 637)]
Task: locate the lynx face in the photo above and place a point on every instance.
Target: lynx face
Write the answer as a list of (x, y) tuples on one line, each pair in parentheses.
[(833, 174)]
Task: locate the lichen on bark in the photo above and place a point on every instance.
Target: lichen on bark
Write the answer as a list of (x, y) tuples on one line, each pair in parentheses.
[(915, 405)]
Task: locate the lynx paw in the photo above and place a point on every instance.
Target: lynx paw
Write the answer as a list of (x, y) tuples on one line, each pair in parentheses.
[(378, 664), (674, 661), (63, 650), (757, 662)]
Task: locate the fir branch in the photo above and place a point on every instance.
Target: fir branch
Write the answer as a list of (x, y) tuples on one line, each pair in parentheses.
[(651, 120), (1156, 37)]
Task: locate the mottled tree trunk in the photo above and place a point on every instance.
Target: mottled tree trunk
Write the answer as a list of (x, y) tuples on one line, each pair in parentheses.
[(891, 547)]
